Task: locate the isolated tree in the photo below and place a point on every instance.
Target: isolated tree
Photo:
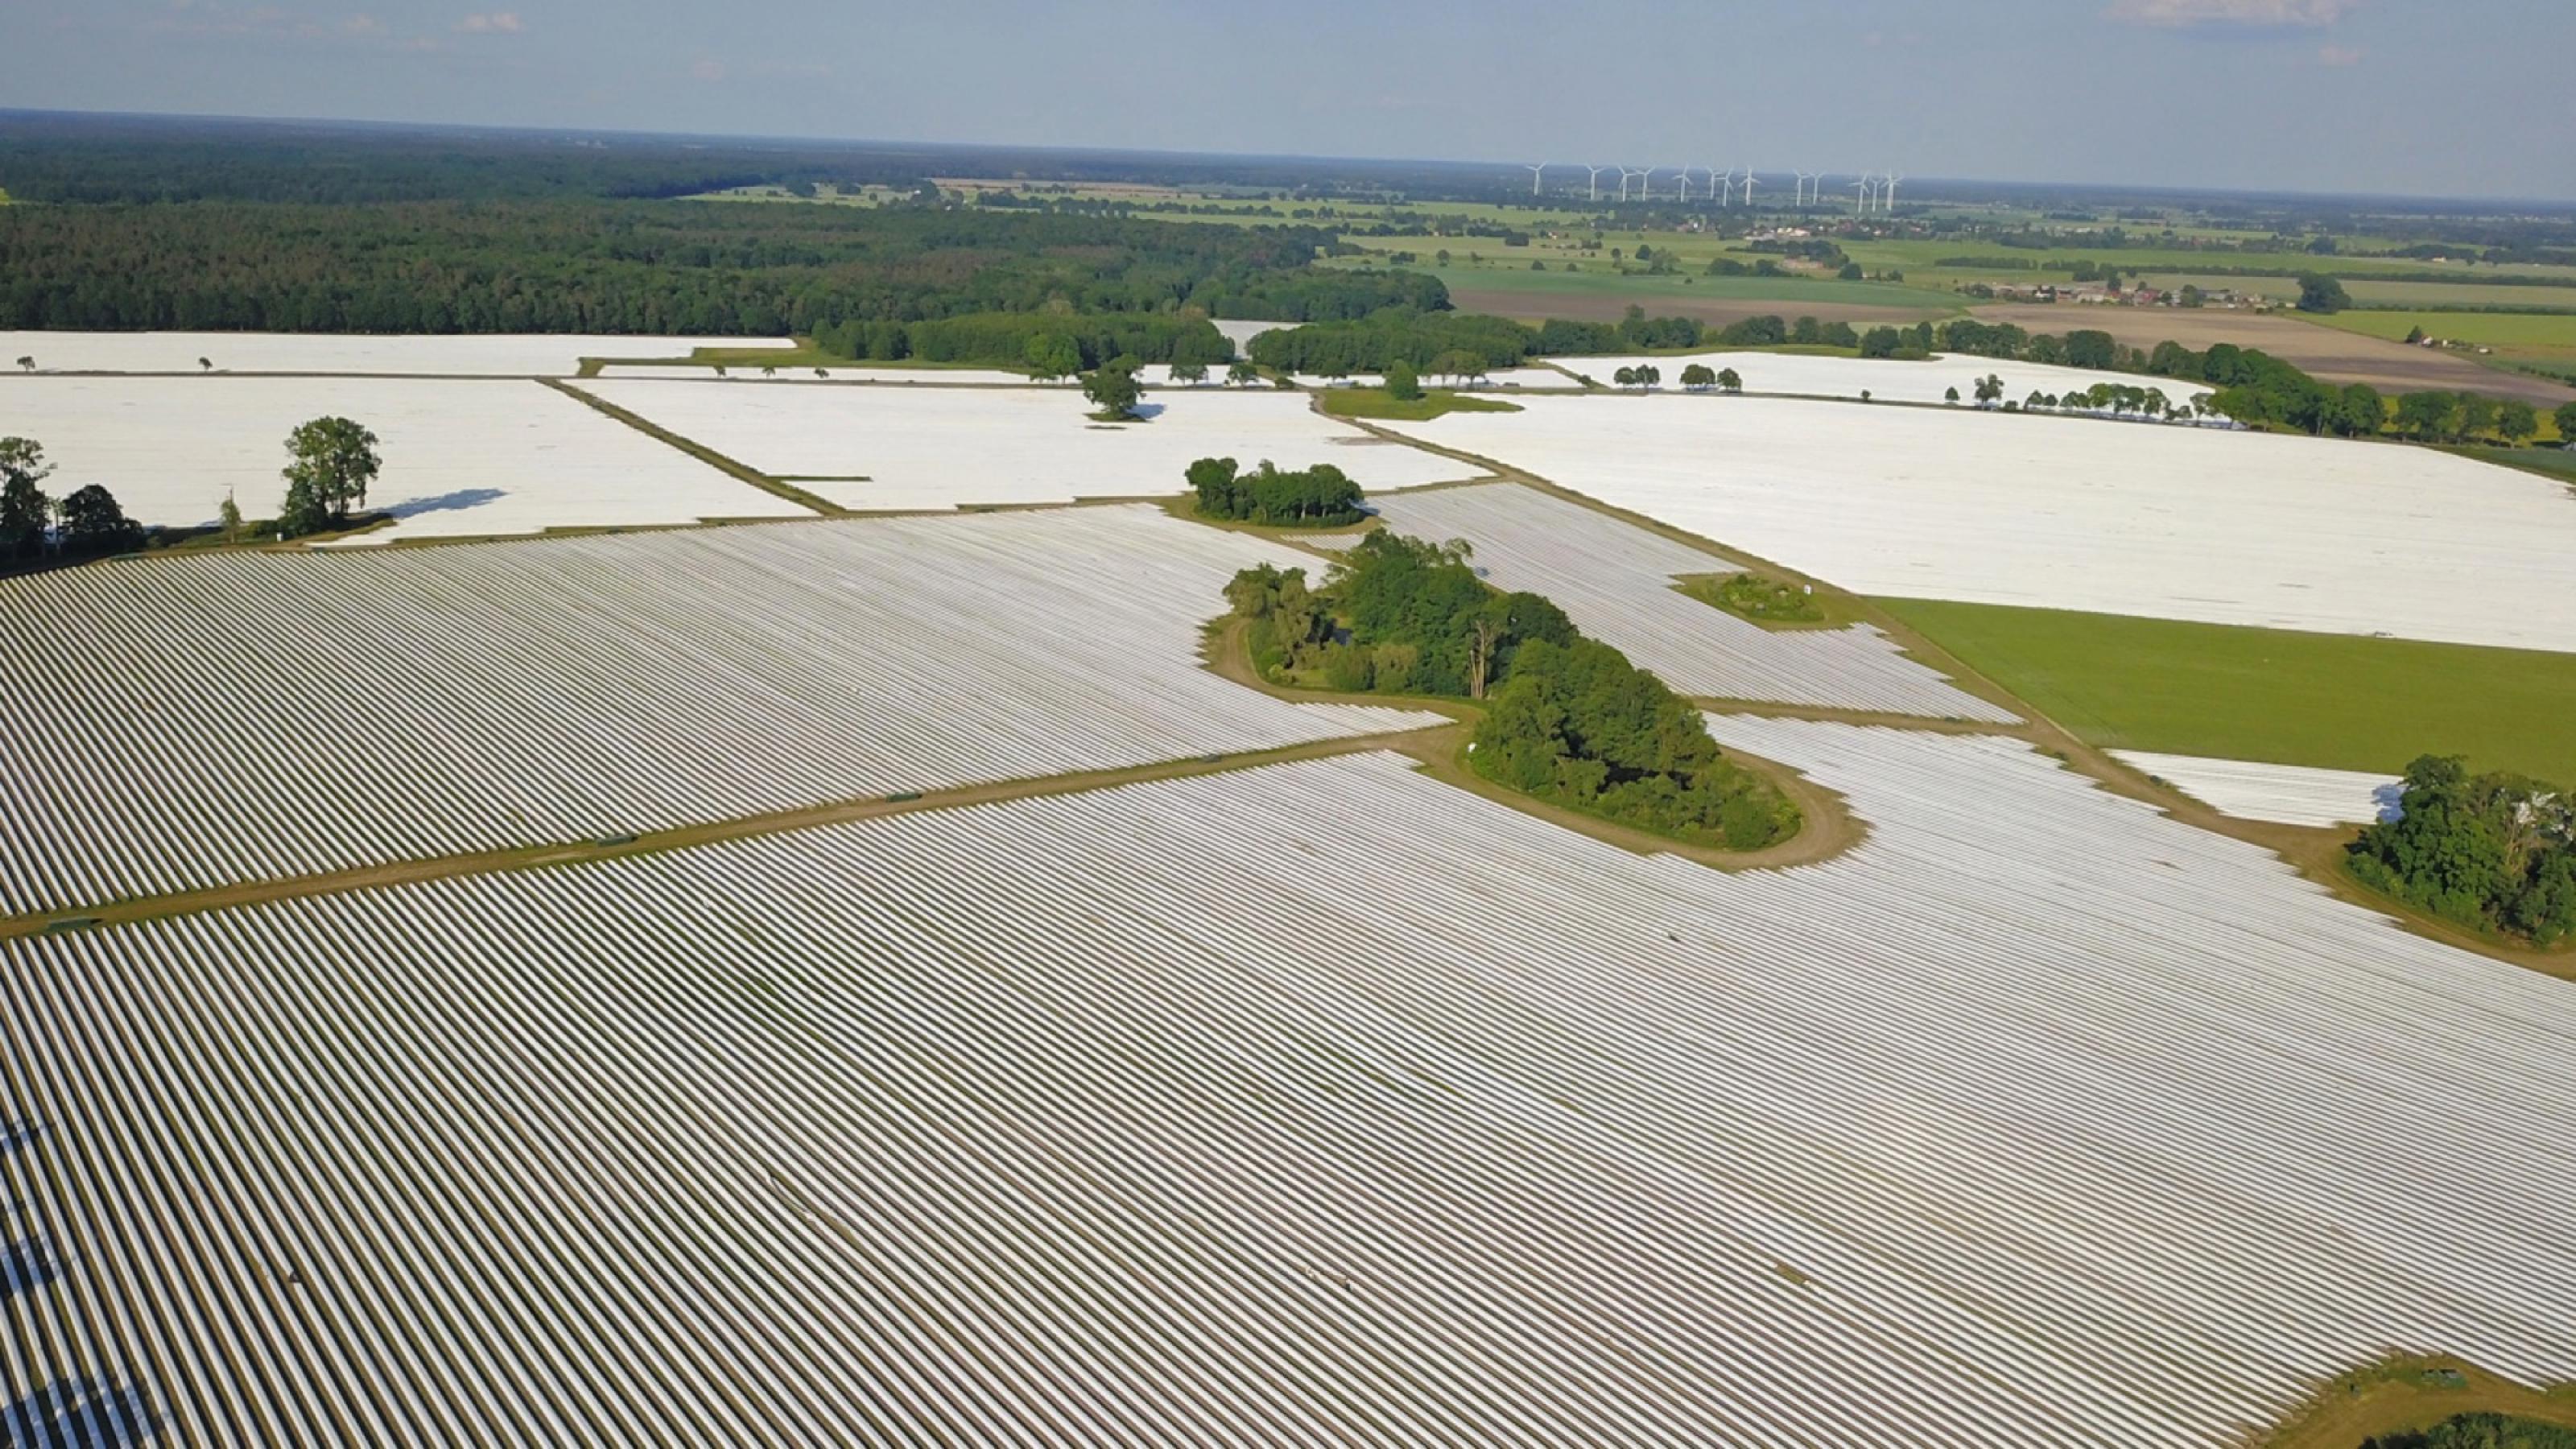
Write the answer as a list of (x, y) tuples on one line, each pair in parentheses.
[(768, 370), (1625, 377), (331, 461), (229, 519), (1697, 377), (1989, 389), (1950, 395), (2321, 293), (1192, 373), (205, 364), (1243, 371), (24, 508), (1402, 383), (818, 372), (26, 364), (1729, 381), (720, 369), (93, 524), (1648, 376), (1113, 393), (2034, 402)]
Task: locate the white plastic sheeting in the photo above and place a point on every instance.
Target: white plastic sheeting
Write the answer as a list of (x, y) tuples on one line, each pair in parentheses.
[(188, 723), (1615, 581), (2284, 794), (1378, 1114), (461, 459), (2075, 513), (943, 447)]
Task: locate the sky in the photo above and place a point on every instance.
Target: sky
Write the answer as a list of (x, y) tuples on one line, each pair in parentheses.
[(2407, 97)]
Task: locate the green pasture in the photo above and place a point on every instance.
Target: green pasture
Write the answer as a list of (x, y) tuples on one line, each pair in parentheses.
[(2335, 700)]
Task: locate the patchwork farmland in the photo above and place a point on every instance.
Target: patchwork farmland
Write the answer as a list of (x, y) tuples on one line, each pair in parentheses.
[(878, 1134), (897, 980)]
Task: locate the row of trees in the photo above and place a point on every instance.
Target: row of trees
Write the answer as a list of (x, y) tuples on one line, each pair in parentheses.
[(1310, 497), (2493, 852), (35, 526), (1569, 718), (2253, 387)]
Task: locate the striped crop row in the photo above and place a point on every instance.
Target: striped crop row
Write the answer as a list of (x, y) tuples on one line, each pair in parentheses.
[(1316, 1104), (187, 724)]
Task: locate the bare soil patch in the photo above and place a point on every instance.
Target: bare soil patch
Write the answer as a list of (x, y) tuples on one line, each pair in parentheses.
[(2327, 352)]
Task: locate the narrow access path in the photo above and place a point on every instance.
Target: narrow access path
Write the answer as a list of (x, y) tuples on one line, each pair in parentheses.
[(680, 837), (821, 506)]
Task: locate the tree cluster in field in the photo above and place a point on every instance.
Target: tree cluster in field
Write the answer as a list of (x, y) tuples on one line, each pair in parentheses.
[(648, 268), (1569, 719), (36, 527), (2481, 1431), (2494, 852), (1314, 497)]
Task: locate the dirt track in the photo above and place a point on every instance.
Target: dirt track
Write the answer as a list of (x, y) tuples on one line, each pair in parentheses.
[(2333, 355)]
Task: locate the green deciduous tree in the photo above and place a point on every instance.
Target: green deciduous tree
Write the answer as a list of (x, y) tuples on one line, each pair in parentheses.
[(331, 463), (2565, 417), (1698, 377), (94, 524), (1402, 383), (2517, 422), (1113, 392), (24, 508), (1729, 380), (2321, 293)]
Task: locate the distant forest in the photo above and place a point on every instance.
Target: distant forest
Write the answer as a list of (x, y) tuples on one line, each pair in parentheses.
[(142, 226)]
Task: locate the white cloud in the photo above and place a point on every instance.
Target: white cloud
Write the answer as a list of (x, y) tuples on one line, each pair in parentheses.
[(2242, 14), (497, 22)]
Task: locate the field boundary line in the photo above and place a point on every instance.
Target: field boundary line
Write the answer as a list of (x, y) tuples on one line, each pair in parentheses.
[(820, 506), (682, 837)]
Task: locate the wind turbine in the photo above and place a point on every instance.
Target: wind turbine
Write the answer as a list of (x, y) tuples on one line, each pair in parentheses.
[(1726, 180), (1748, 186), (1536, 172), (1592, 188), (1626, 175), (1890, 203), (1860, 194), (1685, 173), (1646, 183)]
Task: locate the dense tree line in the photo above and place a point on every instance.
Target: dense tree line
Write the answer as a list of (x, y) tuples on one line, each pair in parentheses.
[(2481, 1431), (2494, 852), (1095, 339), (1570, 719), (1337, 349), (1309, 497), (629, 267)]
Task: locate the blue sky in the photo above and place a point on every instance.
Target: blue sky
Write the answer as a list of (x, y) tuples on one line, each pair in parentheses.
[(2441, 97)]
